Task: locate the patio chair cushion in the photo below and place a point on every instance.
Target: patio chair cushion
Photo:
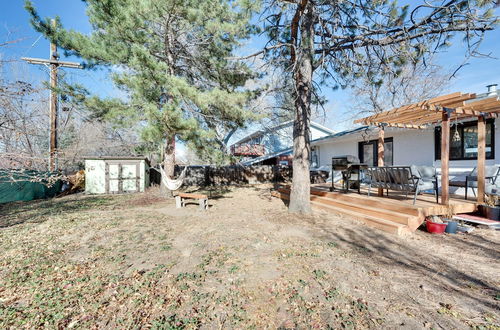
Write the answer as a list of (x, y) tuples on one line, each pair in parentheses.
[(489, 171), (424, 172), (492, 189), (425, 185), (471, 181)]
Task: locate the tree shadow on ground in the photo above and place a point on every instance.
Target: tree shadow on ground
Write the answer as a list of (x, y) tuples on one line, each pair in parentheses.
[(430, 268), (37, 211), (213, 193)]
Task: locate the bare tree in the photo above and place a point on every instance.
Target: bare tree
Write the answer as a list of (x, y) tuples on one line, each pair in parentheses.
[(374, 92), (330, 42)]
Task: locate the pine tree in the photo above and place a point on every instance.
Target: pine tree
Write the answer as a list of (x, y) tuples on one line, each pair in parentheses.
[(171, 58)]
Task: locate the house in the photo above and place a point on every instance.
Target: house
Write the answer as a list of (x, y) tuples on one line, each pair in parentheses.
[(272, 145), (405, 146), (115, 175)]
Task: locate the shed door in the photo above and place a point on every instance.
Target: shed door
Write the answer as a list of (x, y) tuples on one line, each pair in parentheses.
[(122, 177)]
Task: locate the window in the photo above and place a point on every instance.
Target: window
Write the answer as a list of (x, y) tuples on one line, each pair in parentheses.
[(368, 152), (463, 141), (314, 158)]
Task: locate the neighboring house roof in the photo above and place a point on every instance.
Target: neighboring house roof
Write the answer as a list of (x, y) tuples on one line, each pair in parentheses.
[(290, 150), (268, 156), (280, 126), (343, 133)]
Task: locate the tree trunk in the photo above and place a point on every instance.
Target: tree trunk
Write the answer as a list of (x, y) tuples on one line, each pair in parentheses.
[(303, 73), (168, 161)]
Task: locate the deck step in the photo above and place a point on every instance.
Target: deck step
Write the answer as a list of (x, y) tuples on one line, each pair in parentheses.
[(379, 212), (372, 201), (375, 203), (379, 223), (370, 220)]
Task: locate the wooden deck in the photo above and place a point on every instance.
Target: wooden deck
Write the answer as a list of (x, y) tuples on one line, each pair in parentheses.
[(395, 214)]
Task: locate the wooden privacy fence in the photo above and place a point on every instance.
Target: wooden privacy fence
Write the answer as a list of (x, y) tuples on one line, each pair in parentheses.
[(230, 175)]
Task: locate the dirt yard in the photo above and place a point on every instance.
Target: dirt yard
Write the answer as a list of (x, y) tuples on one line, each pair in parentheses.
[(137, 261)]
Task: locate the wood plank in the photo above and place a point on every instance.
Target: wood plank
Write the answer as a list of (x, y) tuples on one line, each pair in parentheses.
[(387, 226), (370, 201), (380, 154), (362, 209), (445, 155), (481, 158), (367, 208), (410, 108), (194, 196)]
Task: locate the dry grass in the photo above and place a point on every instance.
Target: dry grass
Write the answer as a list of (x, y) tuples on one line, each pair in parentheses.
[(137, 261)]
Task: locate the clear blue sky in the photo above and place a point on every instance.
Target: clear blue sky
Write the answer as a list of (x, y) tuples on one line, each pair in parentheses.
[(14, 20)]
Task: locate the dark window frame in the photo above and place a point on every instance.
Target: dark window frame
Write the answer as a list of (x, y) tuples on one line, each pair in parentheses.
[(437, 140), (375, 150)]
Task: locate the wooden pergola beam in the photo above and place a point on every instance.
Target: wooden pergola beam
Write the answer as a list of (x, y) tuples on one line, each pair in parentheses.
[(376, 123), (441, 109)]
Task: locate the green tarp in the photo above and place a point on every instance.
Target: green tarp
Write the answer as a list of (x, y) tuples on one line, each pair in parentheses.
[(18, 185)]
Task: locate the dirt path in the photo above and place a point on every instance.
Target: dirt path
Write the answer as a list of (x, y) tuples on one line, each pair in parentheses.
[(131, 261)]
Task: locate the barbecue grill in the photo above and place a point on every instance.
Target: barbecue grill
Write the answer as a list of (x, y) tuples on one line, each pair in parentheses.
[(351, 169)]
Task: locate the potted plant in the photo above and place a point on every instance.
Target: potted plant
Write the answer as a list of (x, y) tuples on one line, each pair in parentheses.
[(490, 209)]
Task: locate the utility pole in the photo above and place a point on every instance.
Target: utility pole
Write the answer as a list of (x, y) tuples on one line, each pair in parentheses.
[(54, 64)]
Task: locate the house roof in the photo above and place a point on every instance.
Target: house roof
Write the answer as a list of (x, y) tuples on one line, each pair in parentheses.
[(343, 133), (279, 126)]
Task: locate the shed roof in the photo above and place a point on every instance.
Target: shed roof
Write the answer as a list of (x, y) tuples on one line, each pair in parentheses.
[(117, 158)]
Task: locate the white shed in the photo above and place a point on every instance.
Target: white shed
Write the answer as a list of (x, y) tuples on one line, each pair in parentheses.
[(116, 175)]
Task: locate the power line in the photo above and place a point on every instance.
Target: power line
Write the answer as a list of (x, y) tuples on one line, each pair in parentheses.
[(54, 63)]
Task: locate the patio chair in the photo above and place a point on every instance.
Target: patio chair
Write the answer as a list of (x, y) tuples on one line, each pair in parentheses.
[(427, 174), (491, 174)]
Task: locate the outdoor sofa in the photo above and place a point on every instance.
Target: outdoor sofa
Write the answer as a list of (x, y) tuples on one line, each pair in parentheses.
[(407, 179)]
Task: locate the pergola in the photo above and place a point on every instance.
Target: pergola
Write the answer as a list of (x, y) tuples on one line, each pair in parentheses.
[(440, 110)]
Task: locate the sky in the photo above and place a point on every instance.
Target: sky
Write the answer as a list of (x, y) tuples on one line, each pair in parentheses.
[(14, 25)]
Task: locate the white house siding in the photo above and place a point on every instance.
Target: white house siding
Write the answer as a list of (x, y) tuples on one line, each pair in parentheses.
[(411, 147)]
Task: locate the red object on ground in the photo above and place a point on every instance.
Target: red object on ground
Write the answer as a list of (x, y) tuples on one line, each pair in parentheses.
[(477, 219), (435, 228)]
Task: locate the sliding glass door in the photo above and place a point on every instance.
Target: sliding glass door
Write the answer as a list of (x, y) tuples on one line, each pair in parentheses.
[(368, 152)]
